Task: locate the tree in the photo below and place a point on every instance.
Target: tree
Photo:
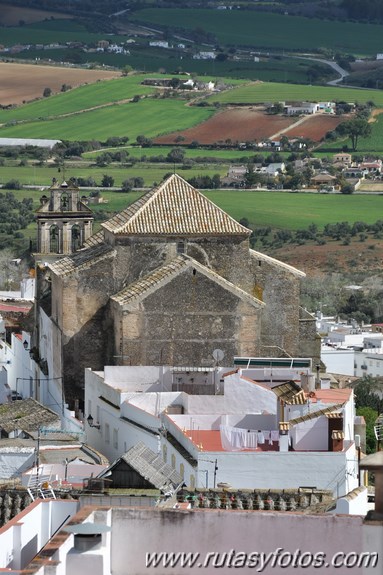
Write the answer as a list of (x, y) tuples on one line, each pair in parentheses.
[(370, 416), (347, 189), (176, 155), (355, 129), (107, 181), (126, 70), (47, 92)]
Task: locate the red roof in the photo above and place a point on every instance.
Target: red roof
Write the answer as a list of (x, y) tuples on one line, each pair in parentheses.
[(210, 440), (331, 395), (13, 307)]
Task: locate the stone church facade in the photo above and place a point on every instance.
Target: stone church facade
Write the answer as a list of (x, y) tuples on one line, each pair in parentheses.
[(165, 282)]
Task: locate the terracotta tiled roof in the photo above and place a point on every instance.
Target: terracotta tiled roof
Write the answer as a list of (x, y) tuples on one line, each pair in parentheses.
[(290, 392), (331, 395), (161, 276), (174, 208), (81, 259), (95, 239)]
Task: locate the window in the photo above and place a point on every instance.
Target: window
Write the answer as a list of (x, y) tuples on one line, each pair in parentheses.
[(182, 470), (173, 461), (107, 433), (115, 438), (192, 482), (165, 453), (180, 247)]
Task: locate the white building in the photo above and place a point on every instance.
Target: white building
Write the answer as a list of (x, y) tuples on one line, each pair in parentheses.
[(25, 372), (303, 108), (233, 432), (124, 541)]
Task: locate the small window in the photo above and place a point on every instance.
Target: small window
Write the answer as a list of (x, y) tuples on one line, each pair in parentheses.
[(192, 482), (180, 247), (182, 470), (107, 433), (115, 438), (173, 461), (165, 453)]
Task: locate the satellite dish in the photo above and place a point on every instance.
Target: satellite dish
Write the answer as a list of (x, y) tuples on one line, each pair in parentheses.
[(218, 355)]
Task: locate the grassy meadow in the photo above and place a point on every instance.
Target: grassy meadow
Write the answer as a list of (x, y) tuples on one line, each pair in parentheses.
[(151, 173), (259, 92), (49, 32), (270, 31), (279, 210), (149, 117)]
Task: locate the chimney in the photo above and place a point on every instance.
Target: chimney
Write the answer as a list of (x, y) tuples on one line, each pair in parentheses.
[(337, 439)]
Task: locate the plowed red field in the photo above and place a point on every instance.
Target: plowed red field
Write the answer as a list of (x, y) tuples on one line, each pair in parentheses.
[(314, 127), (236, 124)]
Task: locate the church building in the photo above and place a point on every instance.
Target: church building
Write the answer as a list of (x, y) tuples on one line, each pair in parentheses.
[(167, 281)]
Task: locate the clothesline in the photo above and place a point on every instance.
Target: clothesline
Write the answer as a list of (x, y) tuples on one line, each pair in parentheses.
[(236, 438)]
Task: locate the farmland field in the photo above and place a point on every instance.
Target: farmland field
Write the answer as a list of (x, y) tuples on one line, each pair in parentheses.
[(139, 153), (148, 117), (11, 15), (270, 31), (372, 145), (259, 92), (235, 124), (315, 127), (151, 173), (282, 210), (23, 82), (49, 32)]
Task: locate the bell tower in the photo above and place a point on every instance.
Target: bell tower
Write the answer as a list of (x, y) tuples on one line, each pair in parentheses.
[(64, 221)]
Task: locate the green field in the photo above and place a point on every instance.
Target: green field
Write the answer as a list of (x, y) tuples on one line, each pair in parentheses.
[(82, 98), (151, 173), (371, 145), (155, 59), (148, 117), (50, 32), (270, 31), (273, 91), (296, 211), (141, 154), (279, 210)]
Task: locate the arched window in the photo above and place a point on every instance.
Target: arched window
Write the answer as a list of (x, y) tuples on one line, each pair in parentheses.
[(54, 239), (182, 470), (64, 202), (165, 453), (173, 461), (75, 238), (192, 482)]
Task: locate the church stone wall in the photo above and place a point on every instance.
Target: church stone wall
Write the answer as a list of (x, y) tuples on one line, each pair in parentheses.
[(78, 308), (279, 289), (196, 316), (228, 257)]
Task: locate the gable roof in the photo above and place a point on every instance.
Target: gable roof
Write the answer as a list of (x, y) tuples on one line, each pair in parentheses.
[(81, 259), (163, 275), (26, 414), (290, 392), (174, 208), (151, 466), (272, 261)]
